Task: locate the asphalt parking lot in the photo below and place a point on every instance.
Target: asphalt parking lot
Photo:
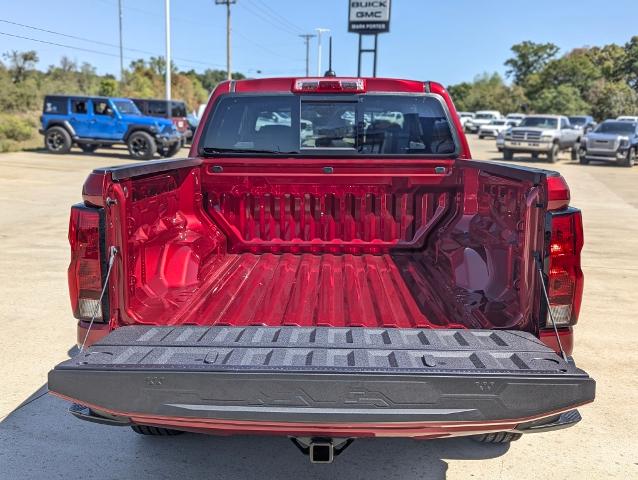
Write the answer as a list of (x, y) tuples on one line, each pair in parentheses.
[(40, 440)]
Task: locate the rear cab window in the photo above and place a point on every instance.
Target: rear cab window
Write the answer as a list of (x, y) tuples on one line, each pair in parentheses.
[(56, 106), (348, 125)]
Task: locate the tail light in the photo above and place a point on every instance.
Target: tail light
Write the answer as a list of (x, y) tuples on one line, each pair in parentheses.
[(565, 277), (86, 269)]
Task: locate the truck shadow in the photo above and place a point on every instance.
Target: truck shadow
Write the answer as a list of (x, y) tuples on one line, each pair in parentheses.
[(116, 152), (39, 439)]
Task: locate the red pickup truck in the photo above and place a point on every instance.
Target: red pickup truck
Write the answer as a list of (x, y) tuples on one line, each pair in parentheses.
[(328, 264)]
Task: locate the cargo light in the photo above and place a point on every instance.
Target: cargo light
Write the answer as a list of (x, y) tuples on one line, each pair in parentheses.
[(85, 270), (323, 85), (565, 278)]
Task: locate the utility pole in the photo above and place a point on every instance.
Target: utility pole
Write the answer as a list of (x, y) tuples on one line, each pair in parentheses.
[(307, 38), (119, 4), (319, 32), (228, 3), (167, 8)]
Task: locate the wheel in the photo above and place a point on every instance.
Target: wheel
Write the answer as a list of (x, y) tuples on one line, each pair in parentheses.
[(155, 431), (141, 146), (87, 147), (535, 155), (574, 154), (582, 157), (630, 159), (57, 140), (170, 151), (498, 437), (507, 154), (481, 137), (552, 155)]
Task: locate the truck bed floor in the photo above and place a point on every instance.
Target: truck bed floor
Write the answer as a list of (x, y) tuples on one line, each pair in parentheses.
[(307, 290)]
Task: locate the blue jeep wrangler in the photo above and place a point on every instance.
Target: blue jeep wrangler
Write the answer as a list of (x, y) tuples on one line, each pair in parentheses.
[(92, 122)]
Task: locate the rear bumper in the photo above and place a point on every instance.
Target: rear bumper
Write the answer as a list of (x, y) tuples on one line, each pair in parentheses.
[(349, 388)]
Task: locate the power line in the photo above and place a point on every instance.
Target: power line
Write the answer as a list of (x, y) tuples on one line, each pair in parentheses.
[(284, 19), (265, 19), (106, 44), (275, 17), (88, 50)]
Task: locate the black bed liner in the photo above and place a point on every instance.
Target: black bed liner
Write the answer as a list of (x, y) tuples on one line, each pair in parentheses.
[(323, 374)]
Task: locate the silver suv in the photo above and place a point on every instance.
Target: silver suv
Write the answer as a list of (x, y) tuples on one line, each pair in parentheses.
[(542, 134)]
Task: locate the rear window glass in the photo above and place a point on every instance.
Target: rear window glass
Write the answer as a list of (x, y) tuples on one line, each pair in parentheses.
[(179, 109), (156, 108), (55, 105), (367, 125)]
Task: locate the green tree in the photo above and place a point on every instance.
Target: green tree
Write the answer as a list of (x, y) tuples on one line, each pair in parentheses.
[(575, 68), (561, 99), (609, 60), (529, 58), (629, 65), (487, 92), (20, 63), (611, 99), (108, 87)]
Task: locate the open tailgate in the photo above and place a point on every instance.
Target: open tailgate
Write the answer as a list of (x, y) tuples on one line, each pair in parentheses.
[(322, 375)]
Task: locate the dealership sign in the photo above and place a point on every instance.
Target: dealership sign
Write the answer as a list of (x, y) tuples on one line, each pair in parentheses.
[(369, 16)]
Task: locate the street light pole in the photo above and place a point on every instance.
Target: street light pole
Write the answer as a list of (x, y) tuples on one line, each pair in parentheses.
[(307, 38), (119, 4), (228, 3), (167, 12), (319, 32), (167, 8)]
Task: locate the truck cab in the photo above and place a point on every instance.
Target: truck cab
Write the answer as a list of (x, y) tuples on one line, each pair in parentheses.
[(93, 122), (346, 271)]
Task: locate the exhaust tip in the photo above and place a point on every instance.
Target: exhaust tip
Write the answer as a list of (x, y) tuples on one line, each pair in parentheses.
[(321, 452)]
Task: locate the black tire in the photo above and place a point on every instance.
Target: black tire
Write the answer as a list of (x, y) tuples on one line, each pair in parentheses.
[(496, 438), (141, 146), (87, 147), (508, 154), (155, 431), (481, 137), (171, 151), (582, 157), (57, 140), (630, 159), (574, 154), (535, 155), (552, 155)]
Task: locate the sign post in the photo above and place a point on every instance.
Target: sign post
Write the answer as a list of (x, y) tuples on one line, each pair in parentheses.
[(368, 17)]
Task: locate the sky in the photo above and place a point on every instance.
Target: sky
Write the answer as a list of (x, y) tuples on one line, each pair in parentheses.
[(447, 41)]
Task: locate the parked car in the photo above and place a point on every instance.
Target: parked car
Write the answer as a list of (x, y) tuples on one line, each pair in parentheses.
[(584, 123), (482, 117), (542, 135), (261, 287), (465, 116), (495, 127), (94, 122), (627, 118), (158, 108), (516, 118), (612, 141)]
